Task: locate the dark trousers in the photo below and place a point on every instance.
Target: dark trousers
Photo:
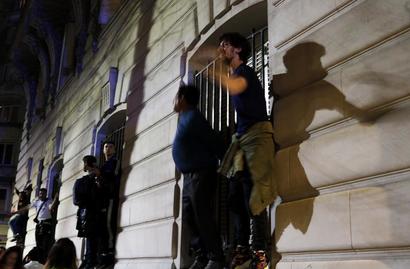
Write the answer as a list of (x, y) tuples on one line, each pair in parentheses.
[(113, 220), (103, 235), (108, 226), (44, 237), (18, 224), (91, 245), (199, 212), (97, 238), (246, 224)]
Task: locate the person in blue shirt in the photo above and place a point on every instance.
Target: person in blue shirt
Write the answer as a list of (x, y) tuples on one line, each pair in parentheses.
[(253, 187), (195, 150)]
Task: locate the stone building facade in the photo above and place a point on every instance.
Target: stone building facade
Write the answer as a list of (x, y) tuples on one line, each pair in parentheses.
[(12, 107), (338, 70)]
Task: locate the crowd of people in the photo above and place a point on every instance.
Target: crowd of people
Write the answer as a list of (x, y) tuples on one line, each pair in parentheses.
[(95, 194), (200, 155), (62, 255)]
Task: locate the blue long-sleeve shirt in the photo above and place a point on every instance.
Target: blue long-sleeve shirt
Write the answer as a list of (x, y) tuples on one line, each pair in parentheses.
[(196, 146)]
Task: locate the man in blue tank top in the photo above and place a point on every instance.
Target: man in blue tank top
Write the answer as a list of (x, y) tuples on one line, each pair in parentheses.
[(252, 187)]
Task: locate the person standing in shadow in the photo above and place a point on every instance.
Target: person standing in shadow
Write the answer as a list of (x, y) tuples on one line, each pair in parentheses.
[(195, 151), (86, 192)]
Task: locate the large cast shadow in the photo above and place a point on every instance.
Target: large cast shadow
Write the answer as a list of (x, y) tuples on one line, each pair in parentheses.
[(135, 98), (302, 92)]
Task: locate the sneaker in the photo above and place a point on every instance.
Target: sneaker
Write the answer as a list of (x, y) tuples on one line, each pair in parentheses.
[(199, 263), (240, 256), (259, 260), (214, 265)]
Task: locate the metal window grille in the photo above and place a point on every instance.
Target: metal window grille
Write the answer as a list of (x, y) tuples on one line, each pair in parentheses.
[(217, 107), (215, 103)]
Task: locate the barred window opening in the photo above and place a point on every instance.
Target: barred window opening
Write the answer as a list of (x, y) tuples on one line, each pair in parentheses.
[(215, 103), (217, 107)]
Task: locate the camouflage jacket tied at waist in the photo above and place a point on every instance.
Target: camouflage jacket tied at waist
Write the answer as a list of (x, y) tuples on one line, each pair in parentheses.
[(257, 149)]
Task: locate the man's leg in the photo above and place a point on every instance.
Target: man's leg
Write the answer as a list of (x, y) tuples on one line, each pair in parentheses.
[(90, 251), (113, 219), (13, 222), (39, 243), (48, 238), (203, 202), (188, 219), (239, 208), (258, 228), (103, 237)]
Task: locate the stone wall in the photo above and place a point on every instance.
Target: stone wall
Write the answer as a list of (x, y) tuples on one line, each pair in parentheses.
[(341, 122), (340, 69)]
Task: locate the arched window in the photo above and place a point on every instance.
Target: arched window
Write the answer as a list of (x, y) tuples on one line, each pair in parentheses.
[(215, 103)]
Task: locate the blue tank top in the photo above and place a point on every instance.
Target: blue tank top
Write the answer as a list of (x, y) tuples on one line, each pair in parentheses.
[(250, 105)]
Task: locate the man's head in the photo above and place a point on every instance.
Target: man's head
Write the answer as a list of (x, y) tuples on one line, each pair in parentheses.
[(233, 46), (109, 149), (89, 162), (187, 97), (42, 195)]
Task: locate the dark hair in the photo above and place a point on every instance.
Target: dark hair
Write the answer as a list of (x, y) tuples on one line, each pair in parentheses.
[(43, 189), (10, 250), (62, 255), (238, 41), (33, 255), (110, 142), (190, 93), (90, 160)]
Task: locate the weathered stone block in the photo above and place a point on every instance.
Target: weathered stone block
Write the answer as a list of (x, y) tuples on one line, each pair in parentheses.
[(348, 153), (158, 203), (321, 223), (380, 216), (146, 174), (149, 240)]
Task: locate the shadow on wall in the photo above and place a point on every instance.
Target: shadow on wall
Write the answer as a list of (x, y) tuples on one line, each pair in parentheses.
[(135, 98), (302, 92)]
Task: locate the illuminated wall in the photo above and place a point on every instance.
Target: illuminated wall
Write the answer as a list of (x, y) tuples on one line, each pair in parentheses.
[(341, 121)]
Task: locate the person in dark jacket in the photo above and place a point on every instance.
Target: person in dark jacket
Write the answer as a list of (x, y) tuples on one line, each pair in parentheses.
[(195, 151), (107, 216), (85, 196)]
